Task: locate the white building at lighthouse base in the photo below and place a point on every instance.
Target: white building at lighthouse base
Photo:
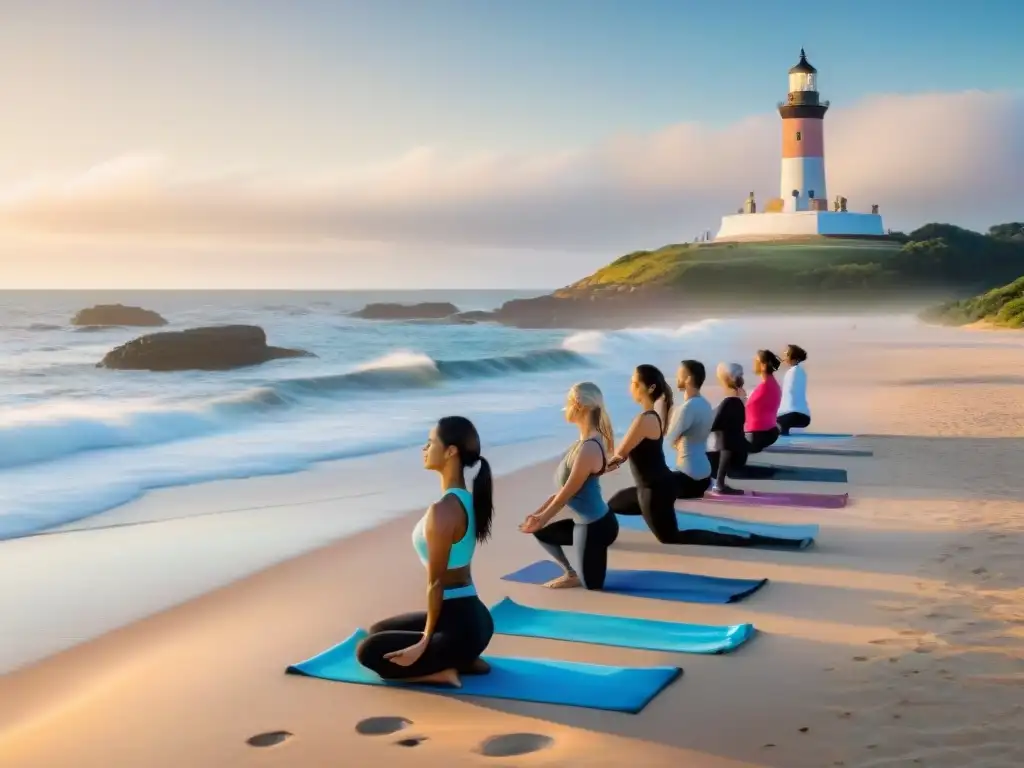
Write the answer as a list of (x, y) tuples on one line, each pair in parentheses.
[(782, 224)]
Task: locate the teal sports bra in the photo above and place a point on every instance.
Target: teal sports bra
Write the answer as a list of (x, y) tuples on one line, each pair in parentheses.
[(461, 553)]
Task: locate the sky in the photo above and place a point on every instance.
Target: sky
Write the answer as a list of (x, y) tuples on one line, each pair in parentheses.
[(470, 143)]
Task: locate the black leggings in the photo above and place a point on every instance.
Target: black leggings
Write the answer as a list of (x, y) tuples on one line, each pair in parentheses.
[(723, 463), (758, 441), (657, 506), (591, 542), (625, 502), (793, 420), (734, 464), (463, 631)]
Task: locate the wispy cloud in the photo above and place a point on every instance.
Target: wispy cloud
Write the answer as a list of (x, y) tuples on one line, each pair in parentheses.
[(954, 157)]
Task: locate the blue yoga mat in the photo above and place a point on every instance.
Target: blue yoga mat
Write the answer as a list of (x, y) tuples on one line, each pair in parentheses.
[(510, 618), (794, 535), (813, 450), (779, 472), (798, 435), (619, 689), (658, 585)]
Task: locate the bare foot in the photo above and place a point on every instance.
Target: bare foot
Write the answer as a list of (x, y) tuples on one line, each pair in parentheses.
[(476, 667), (565, 581)]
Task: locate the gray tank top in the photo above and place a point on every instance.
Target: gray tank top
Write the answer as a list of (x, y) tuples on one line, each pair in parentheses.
[(587, 505)]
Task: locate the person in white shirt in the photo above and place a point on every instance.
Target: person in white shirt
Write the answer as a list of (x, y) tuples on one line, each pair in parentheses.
[(794, 412)]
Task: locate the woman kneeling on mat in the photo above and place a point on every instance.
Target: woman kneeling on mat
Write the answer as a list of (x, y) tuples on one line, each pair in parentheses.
[(447, 640), (763, 404), (654, 495), (657, 487), (728, 445), (592, 527), (794, 413)]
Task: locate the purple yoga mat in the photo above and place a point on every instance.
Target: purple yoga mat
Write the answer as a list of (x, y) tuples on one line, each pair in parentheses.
[(781, 499)]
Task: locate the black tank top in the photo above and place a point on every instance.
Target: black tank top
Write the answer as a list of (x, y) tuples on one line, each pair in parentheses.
[(647, 459)]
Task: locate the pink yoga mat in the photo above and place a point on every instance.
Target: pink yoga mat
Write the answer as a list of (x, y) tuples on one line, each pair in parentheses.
[(780, 499)]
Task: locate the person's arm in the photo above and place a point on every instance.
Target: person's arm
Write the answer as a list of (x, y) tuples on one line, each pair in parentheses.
[(644, 425), (587, 462), (443, 518), (721, 416), (682, 421)]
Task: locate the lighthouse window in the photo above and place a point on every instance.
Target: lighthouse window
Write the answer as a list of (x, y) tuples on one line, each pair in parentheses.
[(798, 136)]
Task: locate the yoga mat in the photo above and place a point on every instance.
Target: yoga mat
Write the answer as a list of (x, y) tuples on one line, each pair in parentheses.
[(792, 535), (510, 618), (658, 585), (798, 435), (779, 472), (618, 689), (781, 499), (810, 450)]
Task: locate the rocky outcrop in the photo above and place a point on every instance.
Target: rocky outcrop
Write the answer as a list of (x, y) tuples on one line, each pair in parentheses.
[(428, 310), (215, 348), (118, 314), (582, 309)]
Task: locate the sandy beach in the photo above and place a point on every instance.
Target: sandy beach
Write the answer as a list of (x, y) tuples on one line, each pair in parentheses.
[(144, 639)]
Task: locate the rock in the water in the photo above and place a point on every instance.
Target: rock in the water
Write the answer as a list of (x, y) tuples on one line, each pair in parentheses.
[(428, 310), (216, 348), (473, 316), (117, 314)]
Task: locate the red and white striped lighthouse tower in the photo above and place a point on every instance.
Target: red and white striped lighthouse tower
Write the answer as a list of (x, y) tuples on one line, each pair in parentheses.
[(803, 141)]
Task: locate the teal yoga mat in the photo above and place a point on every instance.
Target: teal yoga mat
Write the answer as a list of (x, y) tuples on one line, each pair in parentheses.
[(511, 618), (796, 434), (810, 449), (799, 536), (547, 681), (657, 585)]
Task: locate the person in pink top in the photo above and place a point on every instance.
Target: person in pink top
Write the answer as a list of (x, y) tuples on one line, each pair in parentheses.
[(761, 425)]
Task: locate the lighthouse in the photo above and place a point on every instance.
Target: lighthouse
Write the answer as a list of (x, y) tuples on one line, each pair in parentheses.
[(803, 141), (801, 211)]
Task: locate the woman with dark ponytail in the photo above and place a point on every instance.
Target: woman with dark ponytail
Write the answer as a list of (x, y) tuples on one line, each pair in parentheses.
[(654, 495), (445, 641), (794, 413), (657, 486), (761, 425)]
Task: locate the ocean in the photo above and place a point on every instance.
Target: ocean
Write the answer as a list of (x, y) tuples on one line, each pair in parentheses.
[(77, 440)]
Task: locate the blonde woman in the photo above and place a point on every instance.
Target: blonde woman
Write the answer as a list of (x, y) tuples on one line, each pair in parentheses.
[(592, 527)]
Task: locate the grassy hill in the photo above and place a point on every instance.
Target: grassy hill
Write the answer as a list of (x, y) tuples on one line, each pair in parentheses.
[(936, 260), (935, 263), (1003, 306)]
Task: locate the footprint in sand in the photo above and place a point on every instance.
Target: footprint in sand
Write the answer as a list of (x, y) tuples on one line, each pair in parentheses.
[(412, 741), (268, 739), (514, 744), (381, 726)]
